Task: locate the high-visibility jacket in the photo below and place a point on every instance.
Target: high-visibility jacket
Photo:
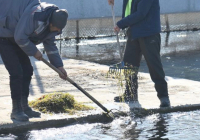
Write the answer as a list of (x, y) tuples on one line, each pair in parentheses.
[(144, 19)]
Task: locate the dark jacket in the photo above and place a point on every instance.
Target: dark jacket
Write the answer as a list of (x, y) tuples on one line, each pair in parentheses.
[(28, 29), (144, 19)]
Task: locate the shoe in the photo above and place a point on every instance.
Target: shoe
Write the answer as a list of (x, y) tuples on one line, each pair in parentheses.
[(131, 90), (31, 113), (164, 102), (128, 96), (17, 112), (28, 110)]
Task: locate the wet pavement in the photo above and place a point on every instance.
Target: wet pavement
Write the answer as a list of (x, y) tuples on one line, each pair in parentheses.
[(182, 75), (176, 126), (92, 77)]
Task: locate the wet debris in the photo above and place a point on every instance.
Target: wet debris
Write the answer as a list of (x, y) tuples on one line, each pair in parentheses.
[(58, 103)]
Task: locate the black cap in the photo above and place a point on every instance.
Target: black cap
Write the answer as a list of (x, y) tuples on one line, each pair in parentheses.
[(59, 18)]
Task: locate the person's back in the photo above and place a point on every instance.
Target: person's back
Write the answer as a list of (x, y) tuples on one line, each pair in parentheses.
[(144, 19), (24, 24), (10, 13)]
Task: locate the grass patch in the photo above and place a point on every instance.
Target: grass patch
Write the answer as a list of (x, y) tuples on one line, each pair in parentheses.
[(58, 103)]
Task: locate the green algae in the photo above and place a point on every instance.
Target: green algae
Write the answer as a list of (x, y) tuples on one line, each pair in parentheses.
[(123, 76), (58, 103)]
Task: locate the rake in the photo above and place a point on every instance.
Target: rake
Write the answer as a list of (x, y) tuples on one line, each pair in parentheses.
[(108, 112), (116, 69)]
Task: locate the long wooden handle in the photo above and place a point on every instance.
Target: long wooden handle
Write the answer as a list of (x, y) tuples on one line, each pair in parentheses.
[(114, 23), (76, 85)]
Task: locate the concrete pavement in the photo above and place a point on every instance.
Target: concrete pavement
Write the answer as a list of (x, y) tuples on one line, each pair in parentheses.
[(184, 94)]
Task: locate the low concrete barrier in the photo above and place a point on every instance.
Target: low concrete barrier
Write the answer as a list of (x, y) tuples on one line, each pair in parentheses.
[(84, 9)]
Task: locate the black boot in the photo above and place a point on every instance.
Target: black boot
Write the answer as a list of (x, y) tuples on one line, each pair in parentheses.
[(28, 110), (126, 97), (17, 112), (164, 102), (133, 87), (130, 93)]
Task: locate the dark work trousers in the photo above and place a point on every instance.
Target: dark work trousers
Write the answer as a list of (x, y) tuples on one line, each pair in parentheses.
[(149, 47), (19, 67)]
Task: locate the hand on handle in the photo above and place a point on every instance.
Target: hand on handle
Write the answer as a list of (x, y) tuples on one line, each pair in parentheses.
[(38, 55), (60, 70), (64, 73), (111, 2), (116, 29)]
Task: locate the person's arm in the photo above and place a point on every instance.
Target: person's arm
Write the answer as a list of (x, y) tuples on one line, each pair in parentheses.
[(142, 10), (24, 28), (53, 55)]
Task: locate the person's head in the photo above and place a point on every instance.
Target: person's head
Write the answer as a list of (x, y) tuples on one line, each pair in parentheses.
[(58, 20)]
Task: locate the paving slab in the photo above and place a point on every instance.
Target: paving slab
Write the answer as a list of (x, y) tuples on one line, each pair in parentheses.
[(92, 77)]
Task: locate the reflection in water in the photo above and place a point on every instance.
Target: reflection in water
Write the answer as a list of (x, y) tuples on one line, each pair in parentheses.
[(77, 47), (185, 66), (180, 53), (105, 49), (167, 39), (180, 42), (160, 128), (171, 126)]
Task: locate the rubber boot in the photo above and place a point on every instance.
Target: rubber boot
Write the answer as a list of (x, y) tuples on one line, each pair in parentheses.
[(28, 110), (17, 112), (131, 91), (164, 102)]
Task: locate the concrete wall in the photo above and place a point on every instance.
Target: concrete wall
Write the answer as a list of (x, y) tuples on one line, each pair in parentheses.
[(87, 8), (79, 9), (179, 6)]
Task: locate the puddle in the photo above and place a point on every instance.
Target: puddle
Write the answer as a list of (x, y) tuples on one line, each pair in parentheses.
[(174, 126), (180, 53), (180, 56), (105, 51)]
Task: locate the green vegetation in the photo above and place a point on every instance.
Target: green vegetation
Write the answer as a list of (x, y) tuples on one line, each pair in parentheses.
[(58, 103), (122, 76)]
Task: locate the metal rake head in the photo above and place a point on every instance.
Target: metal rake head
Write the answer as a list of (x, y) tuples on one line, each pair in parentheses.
[(120, 68)]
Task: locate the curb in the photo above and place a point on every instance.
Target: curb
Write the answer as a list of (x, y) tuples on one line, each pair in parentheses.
[(181, 108), (94, 118), (27, 126)]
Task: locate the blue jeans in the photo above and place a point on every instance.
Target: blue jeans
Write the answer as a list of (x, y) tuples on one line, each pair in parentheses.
[(18, 66)]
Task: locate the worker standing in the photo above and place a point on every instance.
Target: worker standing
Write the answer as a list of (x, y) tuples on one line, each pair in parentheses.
[(142, 20)]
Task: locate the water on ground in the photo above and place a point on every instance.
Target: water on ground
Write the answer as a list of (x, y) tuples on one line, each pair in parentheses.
[(172, 126), (180, 57), (180, 53)]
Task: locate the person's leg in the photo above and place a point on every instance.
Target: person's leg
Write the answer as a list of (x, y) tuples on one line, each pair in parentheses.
[(26, 79), (27, 71), (12, 64), (150, 47), (132, 58)]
